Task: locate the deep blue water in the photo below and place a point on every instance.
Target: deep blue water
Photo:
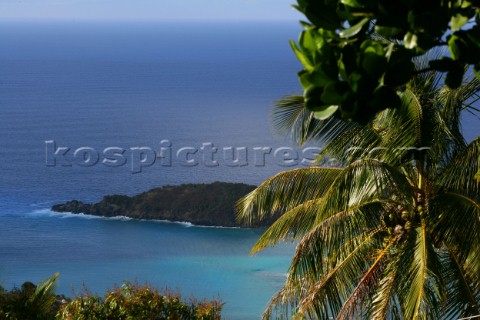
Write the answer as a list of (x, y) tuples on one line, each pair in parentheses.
[(133, 85)]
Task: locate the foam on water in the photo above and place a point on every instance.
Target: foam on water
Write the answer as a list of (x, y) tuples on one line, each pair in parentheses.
[(49, 213)]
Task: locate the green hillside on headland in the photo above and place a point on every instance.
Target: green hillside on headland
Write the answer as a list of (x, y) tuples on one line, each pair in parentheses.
[(201, 204)]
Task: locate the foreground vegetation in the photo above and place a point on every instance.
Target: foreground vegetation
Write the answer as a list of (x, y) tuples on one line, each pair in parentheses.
[(357, 54), (393, 231), (129, 301)]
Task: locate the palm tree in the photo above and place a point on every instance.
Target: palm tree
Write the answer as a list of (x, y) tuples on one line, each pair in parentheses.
[(31, 302), (392, 233)]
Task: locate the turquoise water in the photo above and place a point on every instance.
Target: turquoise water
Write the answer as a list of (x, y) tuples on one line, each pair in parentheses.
[(97, 253)]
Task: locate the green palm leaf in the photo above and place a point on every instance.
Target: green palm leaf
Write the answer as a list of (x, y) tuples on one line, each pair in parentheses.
[(298, 185), (423, 283)]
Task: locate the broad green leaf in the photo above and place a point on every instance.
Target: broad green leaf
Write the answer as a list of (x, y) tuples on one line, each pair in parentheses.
[(410, 40), (320, 76), (458, 21), (354, 81), (305, 24), (355, 29), (312, 97), (313, 92), (389, 51), (457, 47), (298, 8), (372, 46), (374, 64), (387, 31), (314, 104), (323, 14), (302, 3), (301, 57), (362, 84), (307, 40), (465, 4), (342, 70), (325, 113), (335, 93), (352, 3)]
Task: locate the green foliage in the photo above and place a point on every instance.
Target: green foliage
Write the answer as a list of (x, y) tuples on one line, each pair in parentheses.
[(393, 232), (32, 302), (133, 301), (130, 301), (352, 48)]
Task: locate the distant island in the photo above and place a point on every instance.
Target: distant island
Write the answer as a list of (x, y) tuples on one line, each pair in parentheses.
[(200, 204)]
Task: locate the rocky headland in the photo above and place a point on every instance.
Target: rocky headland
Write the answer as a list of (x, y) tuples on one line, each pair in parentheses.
[(200, 204)]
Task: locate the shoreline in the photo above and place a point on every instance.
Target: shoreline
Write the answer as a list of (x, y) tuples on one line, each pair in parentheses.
[(186, 224)]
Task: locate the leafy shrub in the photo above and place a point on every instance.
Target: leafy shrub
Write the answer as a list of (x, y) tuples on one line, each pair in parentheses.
[(133, 301), (31, 302)]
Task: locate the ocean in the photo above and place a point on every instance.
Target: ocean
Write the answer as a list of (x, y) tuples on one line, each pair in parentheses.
[(155, 94), (93, 86)]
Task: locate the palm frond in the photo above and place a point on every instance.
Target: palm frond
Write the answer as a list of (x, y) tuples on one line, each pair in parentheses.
[(368, 179), (327, 241), (351, 145), (326, 296), (463, 298), (362, 292), (422, 285), (292, 225), (458, 226), (291, 119), (285, 191), (384, 304), (43, 298), (455, 101), (461, 171), (398, 147)]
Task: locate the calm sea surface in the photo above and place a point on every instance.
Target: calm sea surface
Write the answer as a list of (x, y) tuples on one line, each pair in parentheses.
[(127, 86), (95, 86)]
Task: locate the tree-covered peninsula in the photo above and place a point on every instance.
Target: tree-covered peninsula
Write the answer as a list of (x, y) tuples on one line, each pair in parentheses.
[(200, 204)]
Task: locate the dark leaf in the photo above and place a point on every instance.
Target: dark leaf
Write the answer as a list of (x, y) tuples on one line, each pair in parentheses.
[(443, 65), (454, 77), (400, 69), (335, 93), (385, 97), (374, 64), (388, 32)]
